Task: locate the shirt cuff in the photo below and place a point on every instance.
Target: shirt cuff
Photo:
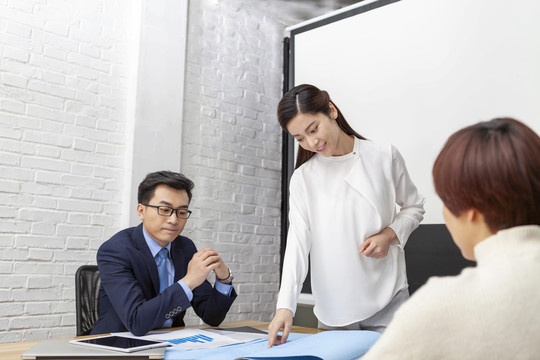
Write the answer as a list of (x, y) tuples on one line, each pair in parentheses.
[(187, 290), (223, 288)]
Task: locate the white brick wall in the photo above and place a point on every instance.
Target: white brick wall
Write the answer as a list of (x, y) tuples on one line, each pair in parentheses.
[(63, 92), (66, 75), (232, 144)]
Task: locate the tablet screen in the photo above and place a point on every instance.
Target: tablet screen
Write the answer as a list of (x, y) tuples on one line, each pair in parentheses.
[(120, 343)]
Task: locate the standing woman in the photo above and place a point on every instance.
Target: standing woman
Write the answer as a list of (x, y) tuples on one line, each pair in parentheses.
[(343, 196)]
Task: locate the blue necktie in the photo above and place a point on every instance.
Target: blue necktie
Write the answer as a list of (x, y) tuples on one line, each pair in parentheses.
[(162, 270)]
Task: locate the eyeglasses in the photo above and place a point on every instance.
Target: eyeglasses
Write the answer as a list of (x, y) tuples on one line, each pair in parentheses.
[(167, 211)]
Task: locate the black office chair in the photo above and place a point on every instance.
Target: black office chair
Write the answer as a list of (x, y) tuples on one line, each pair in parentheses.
[(86, 298), (430, 251)]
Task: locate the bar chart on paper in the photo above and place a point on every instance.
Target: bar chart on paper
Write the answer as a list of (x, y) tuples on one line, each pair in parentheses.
[(192, 339), (199, 338)]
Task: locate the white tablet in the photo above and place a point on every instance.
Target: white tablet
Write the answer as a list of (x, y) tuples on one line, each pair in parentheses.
[(120, 343)]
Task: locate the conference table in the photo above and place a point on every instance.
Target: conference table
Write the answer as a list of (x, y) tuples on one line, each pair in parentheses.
[(13, 351)]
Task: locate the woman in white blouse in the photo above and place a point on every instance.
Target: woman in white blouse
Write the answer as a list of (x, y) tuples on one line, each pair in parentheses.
[(343, 196)]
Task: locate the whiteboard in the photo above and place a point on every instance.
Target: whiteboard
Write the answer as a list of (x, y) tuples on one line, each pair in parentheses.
[(410, 73)]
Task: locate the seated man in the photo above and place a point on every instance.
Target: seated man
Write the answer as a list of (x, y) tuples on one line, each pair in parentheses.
[(488, 178), (144, 287)]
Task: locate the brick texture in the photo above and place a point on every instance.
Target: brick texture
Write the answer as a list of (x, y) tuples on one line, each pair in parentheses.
[(63, 92), (232, 144)]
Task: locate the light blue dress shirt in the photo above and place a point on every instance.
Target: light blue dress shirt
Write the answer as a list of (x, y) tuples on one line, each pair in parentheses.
[(154, 249)]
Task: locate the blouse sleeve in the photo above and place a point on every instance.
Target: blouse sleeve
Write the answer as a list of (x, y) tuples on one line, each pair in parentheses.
[(295, 263), (410, 201)]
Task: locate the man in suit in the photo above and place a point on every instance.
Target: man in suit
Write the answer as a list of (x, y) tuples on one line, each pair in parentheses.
[(144, 287)]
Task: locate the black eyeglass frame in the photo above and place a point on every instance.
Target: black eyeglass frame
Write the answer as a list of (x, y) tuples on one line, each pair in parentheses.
[(173, 211)]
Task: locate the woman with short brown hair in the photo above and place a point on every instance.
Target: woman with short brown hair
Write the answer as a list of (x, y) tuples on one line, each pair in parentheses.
[(488, 177)]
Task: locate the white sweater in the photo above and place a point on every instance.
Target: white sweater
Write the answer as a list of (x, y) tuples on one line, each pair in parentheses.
[(491, 311), (335, 204)]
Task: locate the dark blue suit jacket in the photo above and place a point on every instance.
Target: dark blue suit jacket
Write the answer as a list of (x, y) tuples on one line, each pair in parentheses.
[(129, 297)]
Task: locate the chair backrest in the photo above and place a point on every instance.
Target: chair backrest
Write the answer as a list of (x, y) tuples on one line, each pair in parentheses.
[(430, 251), (86, 298)]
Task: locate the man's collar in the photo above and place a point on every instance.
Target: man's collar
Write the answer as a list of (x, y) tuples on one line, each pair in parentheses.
[(152, 244)]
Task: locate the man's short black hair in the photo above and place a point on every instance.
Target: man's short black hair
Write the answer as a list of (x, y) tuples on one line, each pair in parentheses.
[(169, 178)]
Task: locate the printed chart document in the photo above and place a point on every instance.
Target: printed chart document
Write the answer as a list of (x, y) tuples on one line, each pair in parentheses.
[(194, 339), (191, 339)]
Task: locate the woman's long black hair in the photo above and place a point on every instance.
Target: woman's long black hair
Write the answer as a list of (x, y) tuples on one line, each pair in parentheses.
[(309, 99)]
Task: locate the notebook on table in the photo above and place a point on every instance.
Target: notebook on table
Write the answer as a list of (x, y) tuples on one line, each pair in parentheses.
[(64, 350)]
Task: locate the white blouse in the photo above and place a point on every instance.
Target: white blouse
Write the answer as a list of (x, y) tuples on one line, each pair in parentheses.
[(335, 204)]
